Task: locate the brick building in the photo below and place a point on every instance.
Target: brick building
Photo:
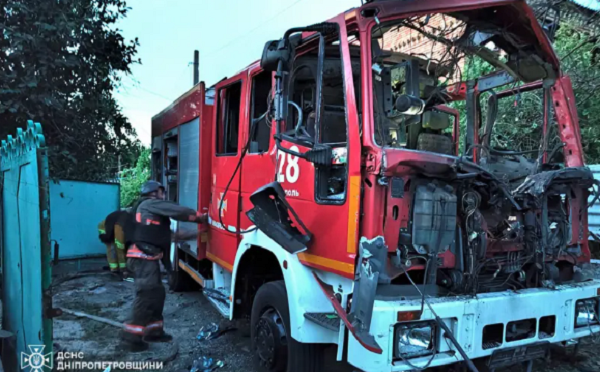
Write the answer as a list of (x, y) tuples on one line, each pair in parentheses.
[(408, 41)]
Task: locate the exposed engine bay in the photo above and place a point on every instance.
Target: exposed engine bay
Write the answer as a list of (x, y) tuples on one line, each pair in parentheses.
[(501, 214), (471, 235)]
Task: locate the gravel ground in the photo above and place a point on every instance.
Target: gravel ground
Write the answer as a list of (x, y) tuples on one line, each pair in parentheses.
[(184, 314), (98, 293)]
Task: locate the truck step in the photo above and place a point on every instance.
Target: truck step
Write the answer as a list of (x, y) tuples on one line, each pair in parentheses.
[(196, 276), (219, 298), (328, 320)]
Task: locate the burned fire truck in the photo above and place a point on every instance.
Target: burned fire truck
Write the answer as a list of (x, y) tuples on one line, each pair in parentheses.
[(347, 208)]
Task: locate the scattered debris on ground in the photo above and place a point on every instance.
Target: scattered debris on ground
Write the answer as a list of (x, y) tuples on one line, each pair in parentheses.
[(204, 364), (184, 314), (208, 332), (212, 331), (204, 340)]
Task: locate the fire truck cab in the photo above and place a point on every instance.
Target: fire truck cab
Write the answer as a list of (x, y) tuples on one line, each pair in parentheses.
[(347, 208)]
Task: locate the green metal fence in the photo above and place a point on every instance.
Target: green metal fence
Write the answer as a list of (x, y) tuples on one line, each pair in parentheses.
[(25, 241)]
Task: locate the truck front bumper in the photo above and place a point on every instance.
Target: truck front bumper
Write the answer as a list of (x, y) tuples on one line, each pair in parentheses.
[(467, 317)]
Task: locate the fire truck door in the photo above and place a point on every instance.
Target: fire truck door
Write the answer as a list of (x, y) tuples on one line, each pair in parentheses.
[(258, 163), (225, 186), (325, 197)]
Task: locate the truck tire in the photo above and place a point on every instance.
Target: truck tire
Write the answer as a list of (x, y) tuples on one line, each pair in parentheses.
[(179, 280), (272, 344)]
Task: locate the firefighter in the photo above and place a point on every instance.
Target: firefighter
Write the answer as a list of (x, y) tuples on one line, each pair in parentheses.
[(151, 242), (112, 233)]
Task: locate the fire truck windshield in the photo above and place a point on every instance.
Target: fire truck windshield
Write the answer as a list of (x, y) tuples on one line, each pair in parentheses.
[(421, 65)]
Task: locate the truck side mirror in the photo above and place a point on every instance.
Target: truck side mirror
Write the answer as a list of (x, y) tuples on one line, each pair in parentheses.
[(278, 56), (271, 55), (281, 50)]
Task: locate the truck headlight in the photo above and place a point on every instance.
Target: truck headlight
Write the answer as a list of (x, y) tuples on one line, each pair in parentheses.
[(586, 312), (414, 339)]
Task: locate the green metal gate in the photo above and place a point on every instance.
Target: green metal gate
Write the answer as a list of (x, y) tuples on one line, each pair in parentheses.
[(25, 239)]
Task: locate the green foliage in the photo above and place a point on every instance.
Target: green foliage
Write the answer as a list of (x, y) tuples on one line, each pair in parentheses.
[(133, 178), (60, 63), (520, 117), (519, 121), (580, 56)]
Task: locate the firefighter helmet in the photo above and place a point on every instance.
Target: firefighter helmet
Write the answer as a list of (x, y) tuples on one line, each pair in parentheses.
[(151, 186)]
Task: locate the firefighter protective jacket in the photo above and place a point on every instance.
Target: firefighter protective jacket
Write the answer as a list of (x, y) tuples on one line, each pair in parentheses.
[(152, 235)]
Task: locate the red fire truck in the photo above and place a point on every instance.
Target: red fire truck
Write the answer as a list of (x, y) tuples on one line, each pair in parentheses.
[(347, 208)]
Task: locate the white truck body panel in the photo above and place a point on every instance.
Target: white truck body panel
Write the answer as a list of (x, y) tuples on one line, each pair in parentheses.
[(466, 317)]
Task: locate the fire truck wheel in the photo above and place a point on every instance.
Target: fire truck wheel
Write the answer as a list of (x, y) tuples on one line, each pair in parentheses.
[(274, 348), (179, 280)]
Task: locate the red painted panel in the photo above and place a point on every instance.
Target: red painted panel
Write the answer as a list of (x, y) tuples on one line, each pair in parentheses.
[(258, 169), (334, 232), (327, 223), (204, 173), (182, 110), (568, 122), (224, 240)]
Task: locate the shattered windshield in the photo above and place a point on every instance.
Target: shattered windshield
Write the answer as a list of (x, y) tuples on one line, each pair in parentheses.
[(412, 58), (420, 66)]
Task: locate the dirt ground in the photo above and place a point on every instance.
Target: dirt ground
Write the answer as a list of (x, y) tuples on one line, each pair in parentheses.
[(98, 293)]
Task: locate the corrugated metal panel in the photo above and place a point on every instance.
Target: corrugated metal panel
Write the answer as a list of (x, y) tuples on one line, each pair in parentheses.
[(594, 212), (77, 208), (157, 143), (24, 243), (189, 141), (157, 158)]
